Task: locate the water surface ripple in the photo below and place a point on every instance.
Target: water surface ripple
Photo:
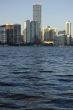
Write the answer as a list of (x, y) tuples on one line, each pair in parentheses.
[(36, 78)]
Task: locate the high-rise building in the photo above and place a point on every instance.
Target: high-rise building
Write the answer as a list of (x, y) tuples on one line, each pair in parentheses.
[(31, 32), (26, 38), (68, 32), (34, 32), (68, 28), (37, 14)]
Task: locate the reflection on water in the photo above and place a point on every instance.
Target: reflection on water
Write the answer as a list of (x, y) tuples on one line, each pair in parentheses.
[(36, 78)]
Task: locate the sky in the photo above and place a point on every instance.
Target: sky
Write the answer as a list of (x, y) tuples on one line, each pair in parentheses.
[(54, 12)]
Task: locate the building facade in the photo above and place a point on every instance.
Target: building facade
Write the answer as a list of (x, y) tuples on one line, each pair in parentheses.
[(34, 32), (49, 34), (37, 14), (31, 32), (3, 35), (68, 32), (26, 32), (13, 33)]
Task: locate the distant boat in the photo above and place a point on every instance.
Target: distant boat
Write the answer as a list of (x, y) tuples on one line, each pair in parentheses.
[(48, 43)]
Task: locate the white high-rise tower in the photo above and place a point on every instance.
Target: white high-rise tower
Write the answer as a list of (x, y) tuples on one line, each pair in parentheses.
[(68, 32), (37, 14), (68, 28)]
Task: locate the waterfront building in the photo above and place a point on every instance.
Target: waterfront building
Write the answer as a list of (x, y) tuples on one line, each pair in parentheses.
[(21, 40), (68, 28), (31, 32), (62, 32), (68, 32), (3, 35), (13, 33), (49, 34), (60, 40), (37, 14), (26, 32), (42, 34), (34, 32)]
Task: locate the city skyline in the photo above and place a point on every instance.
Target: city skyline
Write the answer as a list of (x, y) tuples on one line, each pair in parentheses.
[(54, 13)]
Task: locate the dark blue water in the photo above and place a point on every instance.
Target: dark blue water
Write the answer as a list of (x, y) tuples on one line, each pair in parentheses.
[(36, 78)]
